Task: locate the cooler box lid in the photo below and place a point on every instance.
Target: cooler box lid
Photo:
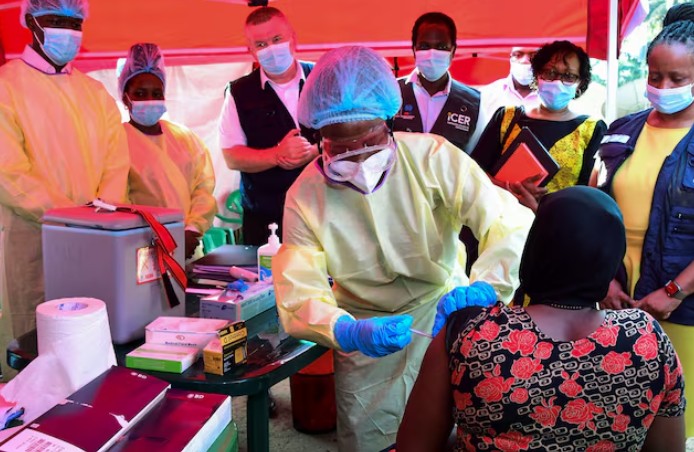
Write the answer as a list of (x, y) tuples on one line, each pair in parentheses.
[(89, 217)]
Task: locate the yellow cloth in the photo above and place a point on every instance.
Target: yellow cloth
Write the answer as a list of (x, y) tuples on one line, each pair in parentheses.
[(567, 151), (62, 145), (172, 170), (682, 337), (393, 251), (633, 187)]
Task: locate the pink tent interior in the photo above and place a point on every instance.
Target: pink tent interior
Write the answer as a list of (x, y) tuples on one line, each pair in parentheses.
[(203, 31)]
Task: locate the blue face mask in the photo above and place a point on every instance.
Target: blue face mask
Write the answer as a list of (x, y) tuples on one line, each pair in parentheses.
[(555, 95), (670, 100), (60, 45), (147, 112), (432, 64), (276, 59)]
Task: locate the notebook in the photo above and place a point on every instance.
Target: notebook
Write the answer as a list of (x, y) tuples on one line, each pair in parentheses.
[(228, 255), (525, 157)]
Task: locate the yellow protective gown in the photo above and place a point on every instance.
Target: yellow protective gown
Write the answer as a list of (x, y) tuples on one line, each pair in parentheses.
[(394, 251), (62, 144), (172, 170)]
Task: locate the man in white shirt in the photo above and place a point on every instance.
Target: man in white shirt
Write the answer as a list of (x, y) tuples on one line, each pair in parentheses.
[(515, 88), (258, 128)]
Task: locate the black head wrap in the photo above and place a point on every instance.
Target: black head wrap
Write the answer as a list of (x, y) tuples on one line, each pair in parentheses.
[(574, 248)]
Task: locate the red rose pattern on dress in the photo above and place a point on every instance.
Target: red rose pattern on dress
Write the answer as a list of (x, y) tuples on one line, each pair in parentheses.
[(516, 389)]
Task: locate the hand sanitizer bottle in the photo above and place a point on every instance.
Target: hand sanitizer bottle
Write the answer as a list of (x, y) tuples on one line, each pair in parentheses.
[(267, 252)]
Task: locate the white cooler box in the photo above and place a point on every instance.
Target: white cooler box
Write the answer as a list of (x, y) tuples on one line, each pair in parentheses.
[(108, 255)]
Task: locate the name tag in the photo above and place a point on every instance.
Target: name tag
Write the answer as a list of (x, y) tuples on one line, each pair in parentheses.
[(615, 138)]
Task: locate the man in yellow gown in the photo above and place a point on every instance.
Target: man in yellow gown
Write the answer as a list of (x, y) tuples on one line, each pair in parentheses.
[(62, 145)]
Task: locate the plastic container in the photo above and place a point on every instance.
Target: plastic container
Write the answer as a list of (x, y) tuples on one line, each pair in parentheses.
[(108, 255), (312, 391), (267, 252)]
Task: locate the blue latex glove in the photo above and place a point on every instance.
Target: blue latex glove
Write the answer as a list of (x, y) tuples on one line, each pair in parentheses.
[(374, 337), (478, 293)]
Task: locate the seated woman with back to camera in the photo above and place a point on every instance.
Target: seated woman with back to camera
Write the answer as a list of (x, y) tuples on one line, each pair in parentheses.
[(558, 374)]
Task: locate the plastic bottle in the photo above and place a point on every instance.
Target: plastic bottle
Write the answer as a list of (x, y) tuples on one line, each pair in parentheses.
[(267, 252)]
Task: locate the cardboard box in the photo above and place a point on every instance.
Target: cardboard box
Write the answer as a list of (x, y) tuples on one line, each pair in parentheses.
[(239, 306), (227, 351), (183, 331), (162, 358)]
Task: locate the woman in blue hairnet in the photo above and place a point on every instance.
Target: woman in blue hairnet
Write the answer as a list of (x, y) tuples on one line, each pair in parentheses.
[(170, 165), (62, 146), (380, 213)]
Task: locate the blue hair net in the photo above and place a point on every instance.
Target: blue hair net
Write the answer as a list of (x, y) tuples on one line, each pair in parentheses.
[(142, 58), (349, 84), (69, 8)]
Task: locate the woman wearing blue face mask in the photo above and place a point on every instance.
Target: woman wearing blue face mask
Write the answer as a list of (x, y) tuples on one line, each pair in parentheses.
[(647, 165), (170, 165), (561, 73)]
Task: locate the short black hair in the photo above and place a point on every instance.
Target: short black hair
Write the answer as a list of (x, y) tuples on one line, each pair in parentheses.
[(434, 18), (679, 32), (682, 11), (545, 54)]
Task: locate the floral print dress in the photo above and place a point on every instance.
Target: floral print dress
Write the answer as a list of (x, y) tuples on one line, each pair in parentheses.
[(516, 389)]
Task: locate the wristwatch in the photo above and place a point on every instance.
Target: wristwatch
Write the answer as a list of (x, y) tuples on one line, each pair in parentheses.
[(673, 290)]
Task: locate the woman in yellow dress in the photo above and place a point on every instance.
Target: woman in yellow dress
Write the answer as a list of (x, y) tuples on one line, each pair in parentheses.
[(648, 167)]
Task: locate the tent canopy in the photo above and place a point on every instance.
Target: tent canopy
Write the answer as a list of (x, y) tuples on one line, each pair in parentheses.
[(195, 31)]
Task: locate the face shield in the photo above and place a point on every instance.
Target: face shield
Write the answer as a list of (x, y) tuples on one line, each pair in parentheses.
[(361, 162)]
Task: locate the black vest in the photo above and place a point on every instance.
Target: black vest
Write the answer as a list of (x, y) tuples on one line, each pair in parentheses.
[(265, 121), (457, 120)]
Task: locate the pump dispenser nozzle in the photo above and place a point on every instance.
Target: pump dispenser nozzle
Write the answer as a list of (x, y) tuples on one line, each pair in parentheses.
[(273, 239)]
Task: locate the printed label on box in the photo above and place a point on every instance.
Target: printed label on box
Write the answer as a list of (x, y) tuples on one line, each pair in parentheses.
[(147, 265)]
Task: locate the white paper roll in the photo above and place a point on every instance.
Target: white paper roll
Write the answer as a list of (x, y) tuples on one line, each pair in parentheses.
[(74, 342), (76, 331)]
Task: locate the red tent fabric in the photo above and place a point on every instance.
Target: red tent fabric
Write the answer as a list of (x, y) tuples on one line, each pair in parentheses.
[(192, 31)]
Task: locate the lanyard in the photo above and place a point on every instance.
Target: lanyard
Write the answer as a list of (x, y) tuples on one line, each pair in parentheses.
[(164, 246)]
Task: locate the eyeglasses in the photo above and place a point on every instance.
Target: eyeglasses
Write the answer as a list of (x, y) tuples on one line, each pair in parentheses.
[(567, 78), (378, 136)]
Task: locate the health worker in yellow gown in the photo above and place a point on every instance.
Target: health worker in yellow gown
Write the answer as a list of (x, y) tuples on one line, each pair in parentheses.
[(170, 165), (380, 213), (62, 145)]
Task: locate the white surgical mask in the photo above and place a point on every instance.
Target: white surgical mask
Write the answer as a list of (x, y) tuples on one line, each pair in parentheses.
[(670, 100), (432, 64), (554, 94), (276, 59), (147, 112), (364, 175), (522, 73), (60, 45)]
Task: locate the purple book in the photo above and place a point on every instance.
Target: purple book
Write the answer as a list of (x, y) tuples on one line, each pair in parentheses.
[(94, 417), (184, 421)]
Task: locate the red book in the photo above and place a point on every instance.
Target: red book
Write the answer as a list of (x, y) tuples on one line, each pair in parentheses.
[(184, 421), (525, 157), (94, 417)]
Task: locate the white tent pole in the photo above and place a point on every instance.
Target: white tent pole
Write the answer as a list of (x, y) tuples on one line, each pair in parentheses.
[(612, 63)]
